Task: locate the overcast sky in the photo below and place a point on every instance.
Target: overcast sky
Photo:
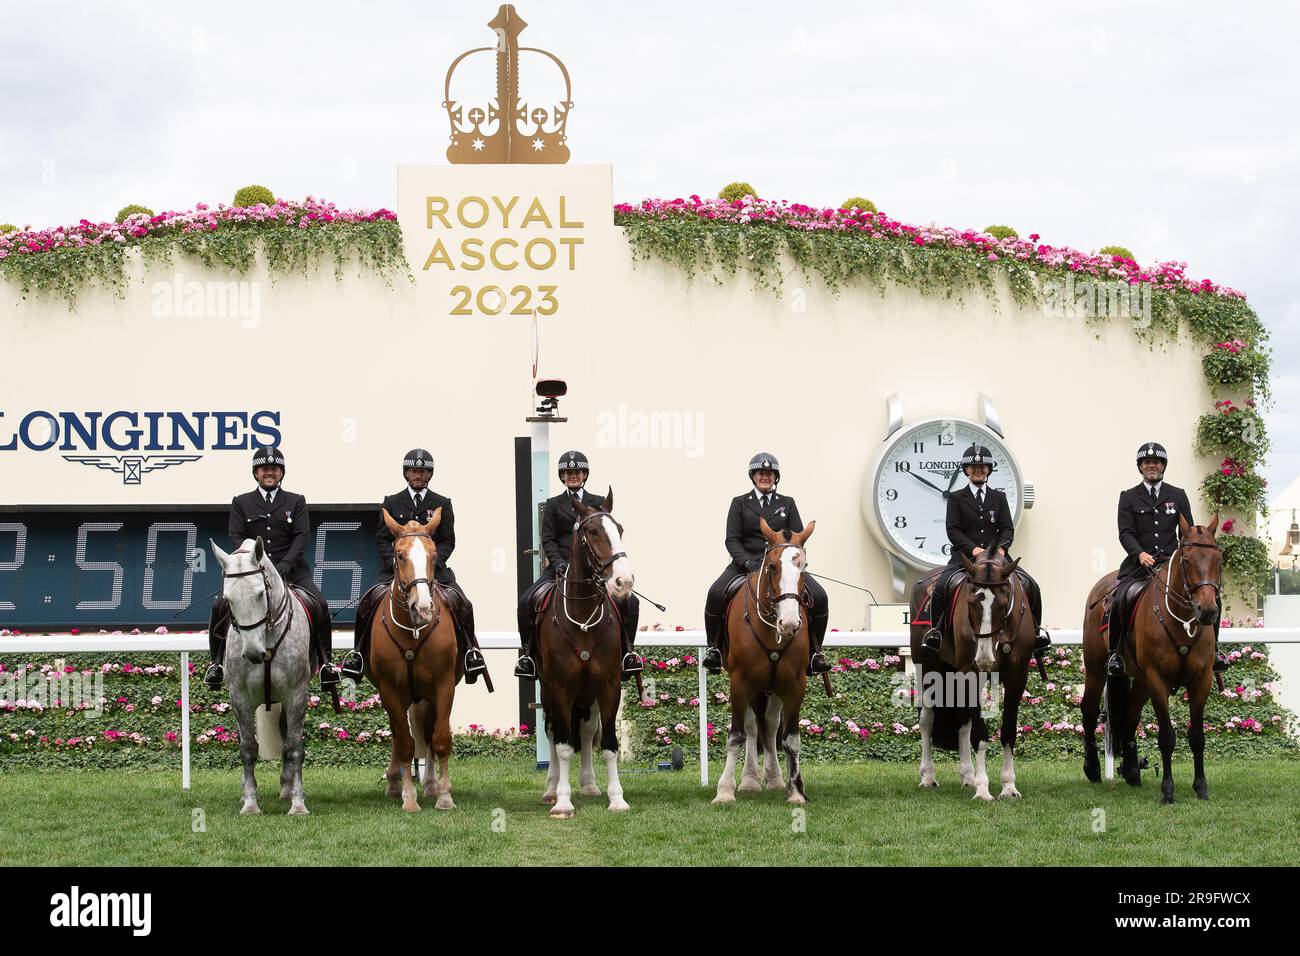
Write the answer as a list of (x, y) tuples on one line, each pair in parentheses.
[(1170, 128)]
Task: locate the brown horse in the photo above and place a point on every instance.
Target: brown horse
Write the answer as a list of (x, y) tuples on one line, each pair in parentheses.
[(1163, 651), (767, 660), (580, 656), (413, 662), (991, 632)]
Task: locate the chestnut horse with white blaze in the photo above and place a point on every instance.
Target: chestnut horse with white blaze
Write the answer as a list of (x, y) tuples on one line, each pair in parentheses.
[(581, 657), (1162, 651), (413, 662), (767, 654)]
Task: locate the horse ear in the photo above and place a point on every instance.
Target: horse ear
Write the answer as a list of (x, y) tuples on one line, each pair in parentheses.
[(434, 520), (771, 536), (1014, 564), (609, 499), (1213, 525), (221, 555), (259, 550), (393, 527), (966, 562), (799, 537)]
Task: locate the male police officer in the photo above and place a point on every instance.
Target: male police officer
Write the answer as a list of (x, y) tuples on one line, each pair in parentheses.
[(746, 545), (558, 519), (281, 520), (1148, 532), (979, 523), (417, 502)]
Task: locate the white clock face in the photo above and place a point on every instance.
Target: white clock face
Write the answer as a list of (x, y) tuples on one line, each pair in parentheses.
[(920, 468)]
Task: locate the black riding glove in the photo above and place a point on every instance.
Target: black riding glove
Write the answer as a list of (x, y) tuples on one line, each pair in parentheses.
[(283, 567)]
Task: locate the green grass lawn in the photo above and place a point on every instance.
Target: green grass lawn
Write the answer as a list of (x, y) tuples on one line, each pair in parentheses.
[(860, 814)]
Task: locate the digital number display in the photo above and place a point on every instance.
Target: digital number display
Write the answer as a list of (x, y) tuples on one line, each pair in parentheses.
[(122, 569)]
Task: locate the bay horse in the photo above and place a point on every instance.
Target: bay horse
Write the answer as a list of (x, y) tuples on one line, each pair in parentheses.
[(767, 655), (1162, 651), (990, 632), (413, 662), (268, 661), (580, 659)]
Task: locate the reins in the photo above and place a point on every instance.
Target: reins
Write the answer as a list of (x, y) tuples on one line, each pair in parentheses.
[(410, 654), (268, 621)]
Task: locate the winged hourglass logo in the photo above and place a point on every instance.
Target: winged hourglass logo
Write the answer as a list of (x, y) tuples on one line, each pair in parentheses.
[(508, 130), (132, 467)]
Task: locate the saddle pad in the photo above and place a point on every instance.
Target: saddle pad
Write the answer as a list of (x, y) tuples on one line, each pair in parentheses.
[(543, 599)]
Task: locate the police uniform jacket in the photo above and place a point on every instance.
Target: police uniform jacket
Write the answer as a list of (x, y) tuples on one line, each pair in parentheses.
[(1150, 525), (745, 541), (971, 525), (402, 507), (558, 518), (283, 525)]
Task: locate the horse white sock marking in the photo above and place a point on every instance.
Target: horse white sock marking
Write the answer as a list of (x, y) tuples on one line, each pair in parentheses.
[(1009, 773), (981, 773), (927, 754), (613, 785), (563, 789)]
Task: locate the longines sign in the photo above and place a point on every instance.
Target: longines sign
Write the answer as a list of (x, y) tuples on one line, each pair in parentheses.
[(143, 441)]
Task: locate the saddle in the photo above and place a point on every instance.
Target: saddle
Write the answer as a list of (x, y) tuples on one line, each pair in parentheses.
[(542, 600), (1120, 610), (321, 625), (923, 614)]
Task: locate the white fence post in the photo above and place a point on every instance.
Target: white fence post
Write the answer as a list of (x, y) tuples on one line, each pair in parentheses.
[(185, 720), (703, 695)]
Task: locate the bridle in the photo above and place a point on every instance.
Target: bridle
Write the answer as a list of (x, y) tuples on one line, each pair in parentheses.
[(1011, 604), (596, 580), (405, 589), (772, 602), (268, 620), (1190, 626), (409, 654)]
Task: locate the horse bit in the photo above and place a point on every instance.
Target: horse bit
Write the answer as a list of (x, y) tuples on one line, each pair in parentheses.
[(783, 596), (597, 578)]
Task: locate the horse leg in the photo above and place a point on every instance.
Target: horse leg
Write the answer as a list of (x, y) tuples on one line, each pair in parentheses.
[(794, 791), (771, 763), (1130, 767), (586, 770), (749, 779), (440, 740), (1196, 740), (735, 740), (927, 753), (552, 768), (295, 711), (1160, 704), (609, 747), (424, 719), (403, 753), (1013, 691), (965, 768), (247, 756), (1093, 683), (564, 734)]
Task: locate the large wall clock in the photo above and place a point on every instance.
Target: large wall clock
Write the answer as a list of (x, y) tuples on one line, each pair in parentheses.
[(905, 494)]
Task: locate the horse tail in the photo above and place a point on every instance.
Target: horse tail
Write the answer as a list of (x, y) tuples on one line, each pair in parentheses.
[(1117, 691), (759, 706)]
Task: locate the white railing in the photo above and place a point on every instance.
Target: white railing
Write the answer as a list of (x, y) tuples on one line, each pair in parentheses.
[(509, 640)]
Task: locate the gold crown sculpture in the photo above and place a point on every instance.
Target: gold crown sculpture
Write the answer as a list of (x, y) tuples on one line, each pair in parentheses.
[(517, 134)]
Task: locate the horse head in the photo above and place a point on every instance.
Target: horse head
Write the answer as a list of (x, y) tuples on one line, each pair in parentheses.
[(784, 562), (600, 539), (1201, 567), (990, 599), (249, 584), (415, 557)]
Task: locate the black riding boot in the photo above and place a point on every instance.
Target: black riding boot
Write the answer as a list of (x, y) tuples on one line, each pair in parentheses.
[(1221, 662), (712, 659), (525, 668), (1115, 663), (329, 674), (475, 665), (1042, 640), (218, 620), (817, 663)]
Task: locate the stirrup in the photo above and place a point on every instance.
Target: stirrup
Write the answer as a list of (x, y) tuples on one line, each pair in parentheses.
[(1221, 662), (1043, 640), (632, 664), (933, 639), (215, 676), (712, 660), (1115, 664), (817, 664), (329, 676), (525, 669), (474, 665), (353, 666)]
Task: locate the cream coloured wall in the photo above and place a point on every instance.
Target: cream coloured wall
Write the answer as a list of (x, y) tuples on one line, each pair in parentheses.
[(362, 371)]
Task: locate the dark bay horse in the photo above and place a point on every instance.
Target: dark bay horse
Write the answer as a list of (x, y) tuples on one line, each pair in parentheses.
[(992, 633), (413, 662), (767, 661), (581, 657), (1170, 645)]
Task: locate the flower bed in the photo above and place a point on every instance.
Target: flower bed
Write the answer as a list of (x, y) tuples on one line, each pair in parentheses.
[(870, 717)]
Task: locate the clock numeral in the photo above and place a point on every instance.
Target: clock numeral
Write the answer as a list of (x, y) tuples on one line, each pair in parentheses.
[(891, 494), (20, 554), (918, 447), (900, 522), (946, 438), (947, 550), (903, 466), (920, 542)]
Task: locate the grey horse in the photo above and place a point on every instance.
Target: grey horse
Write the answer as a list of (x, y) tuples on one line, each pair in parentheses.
[(268, 628)]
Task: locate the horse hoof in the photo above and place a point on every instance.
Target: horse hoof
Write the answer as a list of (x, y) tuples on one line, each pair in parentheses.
[(1166, 799), (561, 813), (724, 798), (250, 810), (930, 784), (445, 803), (620, 807), (749, 786), (411, 807), (798, 798), (299, 810), (774, 783), (1009, 793), (983, 795), (548, 798), (591, 790), (968, 781), (286, 793)]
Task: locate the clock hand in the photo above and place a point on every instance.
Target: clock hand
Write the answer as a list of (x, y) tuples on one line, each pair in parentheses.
[(952, 480), (927, 482)]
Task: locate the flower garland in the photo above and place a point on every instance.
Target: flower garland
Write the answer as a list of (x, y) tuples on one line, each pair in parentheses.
[(717, 237)]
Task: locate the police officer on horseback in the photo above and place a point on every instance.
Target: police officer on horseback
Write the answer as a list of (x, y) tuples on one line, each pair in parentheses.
[(417, 502), (978, 522), (746, 545), (558, 520), (281, 520), (1148, 533)]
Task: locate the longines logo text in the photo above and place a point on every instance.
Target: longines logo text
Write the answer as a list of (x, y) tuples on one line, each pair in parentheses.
[(146, 441), (75, 908)]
